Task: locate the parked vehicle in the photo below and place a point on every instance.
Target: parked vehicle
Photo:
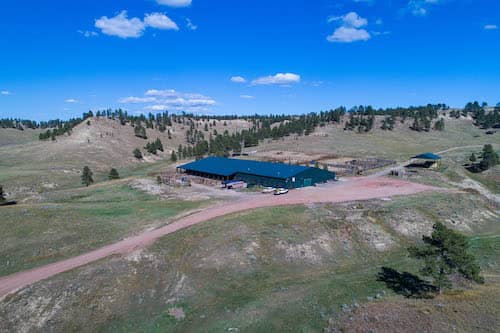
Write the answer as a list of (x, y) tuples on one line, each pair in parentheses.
[(268, 190), (280, 191), (234, 184)]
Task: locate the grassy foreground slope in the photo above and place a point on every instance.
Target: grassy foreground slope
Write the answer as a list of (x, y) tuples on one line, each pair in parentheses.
[(278, 269), (71, 222)]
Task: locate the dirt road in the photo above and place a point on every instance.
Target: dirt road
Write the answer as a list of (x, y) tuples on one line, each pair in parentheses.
[(356, 189)]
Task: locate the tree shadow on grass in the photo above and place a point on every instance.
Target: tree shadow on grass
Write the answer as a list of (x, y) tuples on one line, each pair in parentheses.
[(406, 284)]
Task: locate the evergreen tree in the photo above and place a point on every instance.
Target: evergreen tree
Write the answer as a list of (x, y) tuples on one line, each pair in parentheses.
[(2, 195), (159, 181), (87, 176), (439, 125), (444, 253), (489, 158), (113, 174), (158, 144), (137, 153), (140, 131), (173, 156), (473, 158)]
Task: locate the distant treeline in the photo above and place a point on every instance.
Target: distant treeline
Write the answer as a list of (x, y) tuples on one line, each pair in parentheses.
[(201, 137)]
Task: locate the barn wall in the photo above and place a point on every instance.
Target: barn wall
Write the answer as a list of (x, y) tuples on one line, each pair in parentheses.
[(253, 180), (311, 177)]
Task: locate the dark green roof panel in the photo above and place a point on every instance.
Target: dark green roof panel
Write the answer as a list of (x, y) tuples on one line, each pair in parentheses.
[(428, 156), (227, 167)]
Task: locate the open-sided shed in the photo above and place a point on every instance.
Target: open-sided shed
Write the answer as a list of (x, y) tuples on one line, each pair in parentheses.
[(258, 173)]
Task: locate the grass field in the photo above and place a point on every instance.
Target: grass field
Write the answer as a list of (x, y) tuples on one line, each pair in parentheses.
[(71, 222), (399, 144), (277, 269)]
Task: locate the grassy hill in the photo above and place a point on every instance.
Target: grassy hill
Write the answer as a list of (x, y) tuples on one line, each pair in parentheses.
[(279, 269), (30, 167)]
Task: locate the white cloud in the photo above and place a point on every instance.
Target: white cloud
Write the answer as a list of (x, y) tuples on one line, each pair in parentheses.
[(348, 35), (175, 3), (238, 79), (421, 7), (490, 27), (134, 100), (169, 99), (5, 93), (121, 26), (350, 30), (71, 100), (278, 79), (162, 93), (351, 19), (247, 96), (160, 21), (88, 33), (190, 25)]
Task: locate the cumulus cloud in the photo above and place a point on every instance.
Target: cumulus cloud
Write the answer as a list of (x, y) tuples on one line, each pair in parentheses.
[(121, 26), (238, 79), (277, 79), (124, 27), (71, 100), (160, 21), (490, 27), (348, 35), (5, 93), (175, 3), (351, 29), (351, 19), (172, 100)]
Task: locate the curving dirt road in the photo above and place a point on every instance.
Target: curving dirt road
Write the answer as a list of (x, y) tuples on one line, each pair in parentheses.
[(356, 189)]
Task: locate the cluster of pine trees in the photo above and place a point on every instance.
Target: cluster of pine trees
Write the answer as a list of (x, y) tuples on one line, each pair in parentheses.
[(19, 124), (482, 118), (487, 159), (153, 147), (140, 132)]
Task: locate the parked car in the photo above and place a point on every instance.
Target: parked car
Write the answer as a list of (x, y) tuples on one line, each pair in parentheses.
[(268, 190), (280, 191)]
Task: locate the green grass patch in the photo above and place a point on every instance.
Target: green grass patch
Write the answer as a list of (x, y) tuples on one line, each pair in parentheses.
[(78, 222)]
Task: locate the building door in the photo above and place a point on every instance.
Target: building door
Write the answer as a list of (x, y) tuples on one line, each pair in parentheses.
[(307, 182)]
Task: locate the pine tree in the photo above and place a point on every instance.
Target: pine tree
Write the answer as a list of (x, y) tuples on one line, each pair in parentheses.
[(87, 176), (158, 144), (173, 157), (140, 131), (2, 195), (444, 253), (137, 153), (473, 158), (159, 181), (489, 158), (113, 174)]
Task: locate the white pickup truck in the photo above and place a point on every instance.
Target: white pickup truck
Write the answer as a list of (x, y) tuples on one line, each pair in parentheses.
[(280, 191)]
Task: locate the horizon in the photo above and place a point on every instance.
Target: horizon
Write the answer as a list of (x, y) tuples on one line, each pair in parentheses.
[(250, 58)]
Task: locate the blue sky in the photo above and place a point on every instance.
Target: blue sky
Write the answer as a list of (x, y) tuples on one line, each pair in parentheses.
[(241, 57)]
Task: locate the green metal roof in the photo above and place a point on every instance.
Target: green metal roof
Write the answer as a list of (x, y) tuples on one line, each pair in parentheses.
[(428, 156), (227, 167)]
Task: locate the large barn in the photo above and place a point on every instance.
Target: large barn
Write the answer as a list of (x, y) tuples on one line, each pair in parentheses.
[(257, 173)]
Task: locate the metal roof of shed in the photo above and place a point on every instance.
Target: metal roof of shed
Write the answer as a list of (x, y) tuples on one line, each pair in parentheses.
[(428, 156), (227, 166)]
